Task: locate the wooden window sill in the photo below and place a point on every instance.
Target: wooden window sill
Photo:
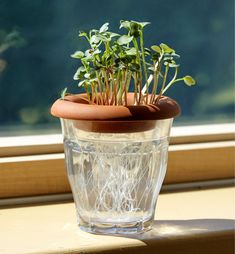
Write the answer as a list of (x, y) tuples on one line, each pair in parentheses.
[(199, 221)]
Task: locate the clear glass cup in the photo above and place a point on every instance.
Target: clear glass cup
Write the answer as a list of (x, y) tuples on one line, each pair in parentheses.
[(116, 177)]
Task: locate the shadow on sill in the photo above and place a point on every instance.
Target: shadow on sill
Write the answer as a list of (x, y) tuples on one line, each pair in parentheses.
[(187, 236)]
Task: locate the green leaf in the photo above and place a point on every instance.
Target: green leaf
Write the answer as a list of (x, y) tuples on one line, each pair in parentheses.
[(93, 31), (155, 56), (122, 54), (173, 55), (88, 52), (94, 80), (127, 59), (124, 39), (90, 74), (103, 38), (77, 54), (134, 67), (173, 65), (189, 81), (82, 83), (87, 75), (94, 39), (76, 76), (104, 28), (135, 29), (126, 24), (82, 33), (142, 24), (156, 49), (168, 59), (113, 35), (166, 48), (63, 93), (96, 52), (131, 52), (88, 56), (98, 65), (79, 73), (147, 51), (151, 68)]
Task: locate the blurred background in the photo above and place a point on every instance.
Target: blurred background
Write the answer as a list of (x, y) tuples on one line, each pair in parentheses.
[(37, 38)]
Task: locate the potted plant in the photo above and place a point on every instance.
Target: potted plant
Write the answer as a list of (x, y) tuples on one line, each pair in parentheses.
[(116, 134)]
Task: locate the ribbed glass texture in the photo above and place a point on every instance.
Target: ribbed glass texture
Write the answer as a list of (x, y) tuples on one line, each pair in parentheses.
[(116, 178)]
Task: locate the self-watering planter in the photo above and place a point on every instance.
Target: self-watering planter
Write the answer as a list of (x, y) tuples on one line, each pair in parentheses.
[(115, 166), (115, 141)]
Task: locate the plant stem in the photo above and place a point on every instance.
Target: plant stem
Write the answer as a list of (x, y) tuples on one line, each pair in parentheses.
[(120, 91), (157, 70), (87, 92), (140, 71), (125, 90), (148, 82), (117, 87), (172, 81), (135, 87), (170, 84), (98, 98), (125, 86), (128, 80), (139, 86), (92, 93), (106, 86), (113, 90), (107, 48), (154, 82), (163, 83), (100, 87), (144, 63)]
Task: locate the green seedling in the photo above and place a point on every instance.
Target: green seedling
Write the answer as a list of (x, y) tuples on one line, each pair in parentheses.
[(113, 63)]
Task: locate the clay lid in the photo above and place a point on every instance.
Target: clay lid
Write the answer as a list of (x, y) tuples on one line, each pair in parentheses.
[(76, 107)]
